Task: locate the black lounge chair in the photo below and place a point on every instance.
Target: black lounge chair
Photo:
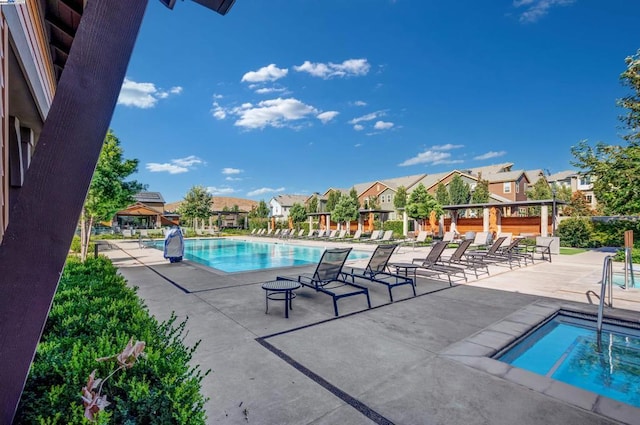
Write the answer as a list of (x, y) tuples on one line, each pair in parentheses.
[(498, 254), (458, 258), (328, 279), (433, 262), (376, 271)]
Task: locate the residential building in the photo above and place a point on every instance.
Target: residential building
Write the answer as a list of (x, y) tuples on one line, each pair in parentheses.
[(577, 182), (279, 206)]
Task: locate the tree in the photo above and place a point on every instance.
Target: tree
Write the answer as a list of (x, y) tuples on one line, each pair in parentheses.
[(539, 191), (421, 203), (400, 200), (373, 203), (346, 210), (196, 204), (313, 204), (108, 192), (262, 211), (353, 193), (332, 199), (615, 169), (481, 193), (298, 213), (459, 192), (578, 206), (442, 196)]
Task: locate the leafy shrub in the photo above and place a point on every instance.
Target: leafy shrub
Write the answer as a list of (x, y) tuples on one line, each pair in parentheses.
[(93, 315), (395, 225), (575, 232), (635, 255), (75, 244), (611, 233)]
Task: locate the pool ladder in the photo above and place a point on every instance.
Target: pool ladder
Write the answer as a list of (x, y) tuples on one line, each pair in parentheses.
[(607, 281)]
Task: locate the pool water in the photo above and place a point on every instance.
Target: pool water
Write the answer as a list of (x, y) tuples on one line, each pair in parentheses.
[(618, 279), (232, 255), (565, 349)]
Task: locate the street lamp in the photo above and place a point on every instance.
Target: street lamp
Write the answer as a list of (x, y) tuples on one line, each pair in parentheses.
[(553, 211)]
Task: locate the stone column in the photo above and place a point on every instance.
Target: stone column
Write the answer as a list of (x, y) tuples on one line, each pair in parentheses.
[(485, 219), (405, 223), (544, 220)]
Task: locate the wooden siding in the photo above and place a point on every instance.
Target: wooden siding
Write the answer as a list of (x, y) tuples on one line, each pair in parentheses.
[(515, 225)]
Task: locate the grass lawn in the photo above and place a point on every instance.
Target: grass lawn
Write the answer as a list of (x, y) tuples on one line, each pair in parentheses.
[(571, 251)]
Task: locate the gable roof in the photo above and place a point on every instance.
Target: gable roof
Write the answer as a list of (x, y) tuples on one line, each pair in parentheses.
[(289, 200), (492, 169), (534, 175), (508, 176), (561, 175)]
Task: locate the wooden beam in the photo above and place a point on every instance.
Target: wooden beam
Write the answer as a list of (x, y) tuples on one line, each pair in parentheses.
[(35, 246)]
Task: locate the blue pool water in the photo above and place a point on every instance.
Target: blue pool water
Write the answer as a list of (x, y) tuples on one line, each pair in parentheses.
[(232, 255), (565, 349)]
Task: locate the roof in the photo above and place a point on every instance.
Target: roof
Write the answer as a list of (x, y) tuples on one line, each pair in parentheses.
[(561, 175), (492, 169), (146, 197), (508, 176), (534, 175), (392, 183), (289, 200), (62, 21)]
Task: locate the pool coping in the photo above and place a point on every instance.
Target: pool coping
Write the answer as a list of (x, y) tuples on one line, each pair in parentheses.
[(477, 350)]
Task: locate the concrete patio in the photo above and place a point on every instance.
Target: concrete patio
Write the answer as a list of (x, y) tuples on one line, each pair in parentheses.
[(418, 360)]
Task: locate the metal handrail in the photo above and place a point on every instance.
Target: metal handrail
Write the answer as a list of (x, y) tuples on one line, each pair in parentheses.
[(628, 269), (607, 280)]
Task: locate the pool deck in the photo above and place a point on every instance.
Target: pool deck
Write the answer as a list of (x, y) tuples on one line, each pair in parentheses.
[(418, 360)]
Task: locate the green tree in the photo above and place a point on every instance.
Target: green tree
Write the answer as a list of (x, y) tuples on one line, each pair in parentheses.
[(332, 199), (481, 193), (373, 203), (109, 192), (353, 193), (345, 211), (459, 192), (539, 191), (400, 200), (615, 169), (442, 195), (262, 211), (196, 204), (298, 214), (421, 203), (313, 204)]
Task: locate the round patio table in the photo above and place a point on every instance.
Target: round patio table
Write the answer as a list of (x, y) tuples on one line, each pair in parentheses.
[(280, 290)]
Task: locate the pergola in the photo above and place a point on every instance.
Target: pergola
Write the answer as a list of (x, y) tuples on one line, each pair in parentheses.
[(100, 36)]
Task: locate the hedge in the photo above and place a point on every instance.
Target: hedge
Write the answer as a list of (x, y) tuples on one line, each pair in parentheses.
[(94, 314), (395, 225)]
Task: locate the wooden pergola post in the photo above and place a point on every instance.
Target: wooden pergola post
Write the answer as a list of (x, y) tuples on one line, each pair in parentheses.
[(58, 178)]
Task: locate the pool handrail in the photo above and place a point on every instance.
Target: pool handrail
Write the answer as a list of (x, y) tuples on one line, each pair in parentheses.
[(607, 280)]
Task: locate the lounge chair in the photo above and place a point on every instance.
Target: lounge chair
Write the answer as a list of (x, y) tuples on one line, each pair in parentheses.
[(447, 237), (420, 238), (387, 237), (432, 262), (356, 236), (376, 271), (497, 255), (328, 278), (375, 235), (332, 235), (481, 241), (342, 234), (458, 259), (300, 234)]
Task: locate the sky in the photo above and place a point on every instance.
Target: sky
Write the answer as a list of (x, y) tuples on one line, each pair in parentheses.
[(298, 96)]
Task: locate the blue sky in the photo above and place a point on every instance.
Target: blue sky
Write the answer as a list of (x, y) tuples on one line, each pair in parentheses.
[(296, 96)]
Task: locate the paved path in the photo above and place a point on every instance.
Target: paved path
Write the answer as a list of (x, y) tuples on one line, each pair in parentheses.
[(396, 363)]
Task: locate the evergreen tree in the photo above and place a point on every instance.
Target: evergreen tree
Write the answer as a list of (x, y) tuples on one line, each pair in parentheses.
[(459, 192), (421, 203), (298, 214), (313, 204), (332, 199), (400, 199), (196, 204), (442, 195)]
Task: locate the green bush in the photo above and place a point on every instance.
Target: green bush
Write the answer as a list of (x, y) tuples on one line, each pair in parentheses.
[(395, 225), (75, 244), (93, 315), (575, 232), (635, 255), (611, 233)]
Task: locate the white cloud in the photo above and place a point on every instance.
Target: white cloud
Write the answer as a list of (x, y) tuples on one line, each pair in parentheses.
[(175, 166), (188, 161), (431, 156), (218, 111), (267, 90), (348, 68), (155, 167), (266, 73), (143, 95), (446, 147), (228, 170), (360, 103), (218, 191), (264, 190), (536, 9), (217, 96), (368, 117), (233, 179), (490, 154), (358, 127), (357, 145), (327, 116), (272, 113), (382, 125)]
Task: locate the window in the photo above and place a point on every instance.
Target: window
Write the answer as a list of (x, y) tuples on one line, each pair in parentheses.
[(507, 187), (389, 198), (588, 198), (517, 187), (585, 181)]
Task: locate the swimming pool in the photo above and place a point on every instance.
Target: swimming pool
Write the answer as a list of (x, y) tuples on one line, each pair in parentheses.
[(565, 349), (231, 255)]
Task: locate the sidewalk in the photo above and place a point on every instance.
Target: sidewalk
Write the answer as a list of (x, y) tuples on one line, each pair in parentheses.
[(384, 365)]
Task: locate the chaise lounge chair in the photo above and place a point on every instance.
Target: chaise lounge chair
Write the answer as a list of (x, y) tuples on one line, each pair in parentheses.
[(328, 278), (458, 259), (375, 271)]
